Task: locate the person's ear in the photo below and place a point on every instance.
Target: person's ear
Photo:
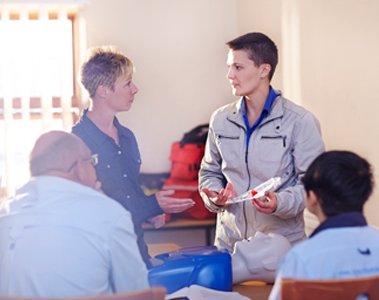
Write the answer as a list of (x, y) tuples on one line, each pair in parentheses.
[(312, 202), (264, 70), (102, 91), (80, 172), (314, 205)]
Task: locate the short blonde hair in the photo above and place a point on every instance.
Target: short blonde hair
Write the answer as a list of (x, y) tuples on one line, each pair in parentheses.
[(103, 66)]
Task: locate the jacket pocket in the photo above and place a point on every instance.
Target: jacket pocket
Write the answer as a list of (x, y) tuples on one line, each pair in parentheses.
[(276, 137), (221, 136), (273, 148), (229, 147)]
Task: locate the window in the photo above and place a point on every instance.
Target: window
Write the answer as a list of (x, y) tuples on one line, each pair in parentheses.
[(37, 83)]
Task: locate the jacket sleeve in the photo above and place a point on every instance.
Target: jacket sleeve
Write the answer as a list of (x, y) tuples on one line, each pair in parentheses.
[(307, 145), (210, 174)]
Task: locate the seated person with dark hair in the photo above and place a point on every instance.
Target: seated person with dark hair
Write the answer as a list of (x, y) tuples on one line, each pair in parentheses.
[(337, 184), (59, 236)]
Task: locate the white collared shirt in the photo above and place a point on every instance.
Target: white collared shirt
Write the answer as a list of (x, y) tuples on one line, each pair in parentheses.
[(60, 239)]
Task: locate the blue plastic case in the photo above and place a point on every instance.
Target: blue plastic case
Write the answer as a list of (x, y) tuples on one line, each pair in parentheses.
[(206, 266)]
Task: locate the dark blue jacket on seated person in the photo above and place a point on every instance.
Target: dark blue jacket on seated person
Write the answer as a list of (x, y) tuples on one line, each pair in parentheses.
[(118, 171)]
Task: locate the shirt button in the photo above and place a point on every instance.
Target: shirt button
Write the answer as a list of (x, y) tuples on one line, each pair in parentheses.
[(119, 152), (108, 166), (125, 175), (127, 197)]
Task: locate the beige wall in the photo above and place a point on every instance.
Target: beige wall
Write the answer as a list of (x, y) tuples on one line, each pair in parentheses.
[(253, 16), (338, 43), (179, 51)]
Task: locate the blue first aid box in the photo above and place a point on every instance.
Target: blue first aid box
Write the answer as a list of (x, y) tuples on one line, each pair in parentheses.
[(205, 266)]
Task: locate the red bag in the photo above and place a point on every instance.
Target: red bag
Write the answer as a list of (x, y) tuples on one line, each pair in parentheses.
[(185, 161), (189, 189)]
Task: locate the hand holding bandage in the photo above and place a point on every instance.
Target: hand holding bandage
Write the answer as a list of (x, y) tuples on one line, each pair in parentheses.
[(266, 204), (222, 196)]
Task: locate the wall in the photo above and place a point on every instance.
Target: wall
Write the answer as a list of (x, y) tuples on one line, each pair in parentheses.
[(265, 17), (338, 43), (328, 63), (179, 51)]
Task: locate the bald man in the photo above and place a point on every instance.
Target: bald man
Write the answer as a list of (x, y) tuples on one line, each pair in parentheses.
[(59, 236)]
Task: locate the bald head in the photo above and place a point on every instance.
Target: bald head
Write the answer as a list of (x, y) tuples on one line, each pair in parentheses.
[(55, 151)]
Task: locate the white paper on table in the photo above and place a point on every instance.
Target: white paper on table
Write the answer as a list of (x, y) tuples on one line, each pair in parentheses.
[(197, 292)]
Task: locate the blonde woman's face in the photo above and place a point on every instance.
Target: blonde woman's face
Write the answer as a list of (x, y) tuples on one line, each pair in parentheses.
[(121, 97)]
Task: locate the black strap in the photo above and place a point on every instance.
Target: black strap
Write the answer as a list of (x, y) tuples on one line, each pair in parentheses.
[(197, 135)]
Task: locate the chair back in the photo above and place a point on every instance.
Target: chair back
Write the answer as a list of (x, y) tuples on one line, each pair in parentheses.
[(331, 289), (154, 293)]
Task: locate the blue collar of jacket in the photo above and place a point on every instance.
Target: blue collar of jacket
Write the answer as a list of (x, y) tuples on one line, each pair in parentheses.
[(235, 114), (265, 111), (266, 108), (351, 219)]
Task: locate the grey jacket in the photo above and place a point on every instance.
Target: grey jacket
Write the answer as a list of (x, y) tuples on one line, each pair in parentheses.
[(283, 145)]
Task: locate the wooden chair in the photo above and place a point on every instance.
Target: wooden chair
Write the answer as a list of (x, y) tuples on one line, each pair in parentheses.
[(331, 289), (154, 293)]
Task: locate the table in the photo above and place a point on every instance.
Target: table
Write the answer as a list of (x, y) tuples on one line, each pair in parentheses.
[(253, 289), (155, 249), (187, 224)]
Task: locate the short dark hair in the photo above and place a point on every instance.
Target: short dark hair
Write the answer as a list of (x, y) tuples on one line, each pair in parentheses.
[(261, 49), (341, 180)]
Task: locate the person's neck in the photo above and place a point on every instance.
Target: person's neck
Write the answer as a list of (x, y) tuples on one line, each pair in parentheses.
[(318, 212), (255, 103), (60, 174), (103, 119), (321, 217)]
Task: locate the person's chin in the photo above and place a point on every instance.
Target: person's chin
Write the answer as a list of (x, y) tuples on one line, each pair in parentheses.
[(128, 106)]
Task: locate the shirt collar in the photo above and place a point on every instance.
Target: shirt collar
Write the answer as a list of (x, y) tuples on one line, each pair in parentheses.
[(269, 101), (351, 219), (99, 136), (266, 108)]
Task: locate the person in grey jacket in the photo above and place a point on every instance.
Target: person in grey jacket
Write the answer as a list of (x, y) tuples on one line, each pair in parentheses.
[(260, 136)]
